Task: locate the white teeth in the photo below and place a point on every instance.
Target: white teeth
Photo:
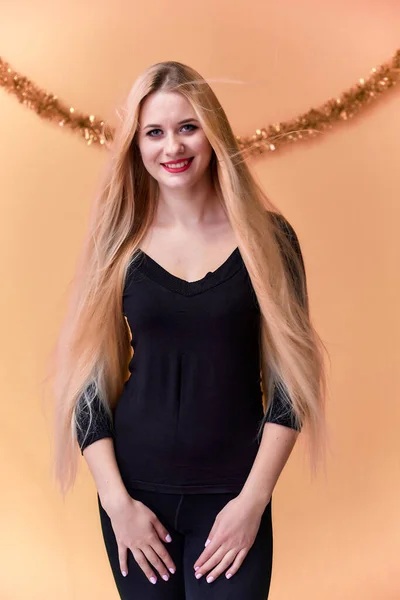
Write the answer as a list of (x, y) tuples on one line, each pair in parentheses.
[(177, 165)]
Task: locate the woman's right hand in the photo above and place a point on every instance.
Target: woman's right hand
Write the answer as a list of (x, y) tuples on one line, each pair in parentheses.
[(137, 528)]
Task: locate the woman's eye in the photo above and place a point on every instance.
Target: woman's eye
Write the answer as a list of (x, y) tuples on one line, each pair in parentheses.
[(187, 125), (149, 132)]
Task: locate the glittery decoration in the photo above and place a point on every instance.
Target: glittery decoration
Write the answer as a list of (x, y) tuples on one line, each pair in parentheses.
[(49, 107), (267, 139), (316, 120)]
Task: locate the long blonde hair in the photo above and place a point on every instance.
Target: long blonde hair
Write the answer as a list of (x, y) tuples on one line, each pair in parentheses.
[(93, 348)]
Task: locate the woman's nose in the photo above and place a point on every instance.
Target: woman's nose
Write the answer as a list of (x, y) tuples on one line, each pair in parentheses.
[(174, 145)]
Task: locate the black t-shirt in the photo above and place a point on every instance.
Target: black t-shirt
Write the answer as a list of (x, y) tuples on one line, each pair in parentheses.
[(187, 418)]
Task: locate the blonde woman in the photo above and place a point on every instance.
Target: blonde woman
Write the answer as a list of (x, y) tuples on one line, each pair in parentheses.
[(187, 363)]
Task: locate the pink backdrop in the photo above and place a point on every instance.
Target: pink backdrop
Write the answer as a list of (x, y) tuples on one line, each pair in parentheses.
[(337, 537)]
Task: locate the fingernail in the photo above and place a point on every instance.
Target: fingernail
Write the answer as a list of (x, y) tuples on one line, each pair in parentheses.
[(172, 570), (207, 542), (229, 575), (165, 577), (196, 568), (168, 538), (198, 575), (210, 579), (153, 579), (124, 573)]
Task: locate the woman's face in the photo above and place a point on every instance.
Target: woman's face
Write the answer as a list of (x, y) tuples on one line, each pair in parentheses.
[(170, 132)]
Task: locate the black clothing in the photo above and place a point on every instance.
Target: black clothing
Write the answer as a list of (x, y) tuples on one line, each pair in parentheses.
[(188, 519), (187, 418)]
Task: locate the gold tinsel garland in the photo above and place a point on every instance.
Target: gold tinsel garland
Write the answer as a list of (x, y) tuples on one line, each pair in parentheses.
[(266, 139)]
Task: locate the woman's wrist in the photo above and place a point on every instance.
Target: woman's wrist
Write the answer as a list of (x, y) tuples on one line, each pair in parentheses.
[(256, 501), (114, 501)]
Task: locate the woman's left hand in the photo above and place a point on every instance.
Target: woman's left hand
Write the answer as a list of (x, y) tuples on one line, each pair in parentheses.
[(231, 537)]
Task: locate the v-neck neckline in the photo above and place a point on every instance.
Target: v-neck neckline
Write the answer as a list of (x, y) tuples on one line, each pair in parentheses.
[(159, 274)]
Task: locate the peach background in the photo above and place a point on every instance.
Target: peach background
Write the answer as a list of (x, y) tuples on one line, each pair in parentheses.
[(337, 537)]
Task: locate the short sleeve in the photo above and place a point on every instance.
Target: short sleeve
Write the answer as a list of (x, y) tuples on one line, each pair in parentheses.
[(92, 427), (280, 411)]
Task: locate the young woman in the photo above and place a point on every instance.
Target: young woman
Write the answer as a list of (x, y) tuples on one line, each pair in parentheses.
[(187, 363)]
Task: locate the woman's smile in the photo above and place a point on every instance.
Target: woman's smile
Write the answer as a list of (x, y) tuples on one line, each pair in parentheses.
[(178, 167)]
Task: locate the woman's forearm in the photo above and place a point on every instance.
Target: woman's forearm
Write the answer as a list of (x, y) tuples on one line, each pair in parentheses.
[(100, 457), (276, 445)]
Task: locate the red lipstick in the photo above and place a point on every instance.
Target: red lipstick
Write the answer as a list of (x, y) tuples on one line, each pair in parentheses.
[(174, 162)]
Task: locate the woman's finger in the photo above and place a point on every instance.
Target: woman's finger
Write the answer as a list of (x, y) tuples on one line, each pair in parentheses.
[(161, 530), (123, 559), (156, 561), (236, 563), (162, 552), (222, 565), (211, 562), (144, 565)]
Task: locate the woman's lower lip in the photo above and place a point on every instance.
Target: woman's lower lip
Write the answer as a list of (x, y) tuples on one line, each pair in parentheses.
[(185, 168)]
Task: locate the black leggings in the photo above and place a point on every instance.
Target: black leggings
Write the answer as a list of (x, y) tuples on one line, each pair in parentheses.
[(189, 518)]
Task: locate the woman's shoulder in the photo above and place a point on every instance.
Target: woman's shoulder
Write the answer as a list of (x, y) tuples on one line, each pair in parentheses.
[(283, 223), (284, 226)]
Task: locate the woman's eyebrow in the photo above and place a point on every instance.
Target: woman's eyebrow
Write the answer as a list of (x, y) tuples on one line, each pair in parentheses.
[(179, 123)]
